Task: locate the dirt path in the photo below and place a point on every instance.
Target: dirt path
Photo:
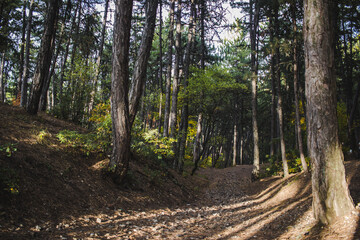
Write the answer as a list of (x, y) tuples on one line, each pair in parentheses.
[(231, 208)]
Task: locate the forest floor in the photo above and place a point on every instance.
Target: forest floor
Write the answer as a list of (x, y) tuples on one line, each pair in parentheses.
[(60, 192)]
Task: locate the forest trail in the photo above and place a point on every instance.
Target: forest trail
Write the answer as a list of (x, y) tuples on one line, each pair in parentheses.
[(64, 195), (232, 207)]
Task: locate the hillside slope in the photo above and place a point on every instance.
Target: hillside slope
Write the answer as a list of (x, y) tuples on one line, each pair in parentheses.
[(44, 181)]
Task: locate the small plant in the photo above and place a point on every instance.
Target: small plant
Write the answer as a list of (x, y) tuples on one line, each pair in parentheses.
[(8, 149), (43, 137), (9, 180)]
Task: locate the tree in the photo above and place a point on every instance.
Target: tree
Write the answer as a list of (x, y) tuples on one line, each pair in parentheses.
[(124, 107), (254, 23), (44, 56), (331, 196)]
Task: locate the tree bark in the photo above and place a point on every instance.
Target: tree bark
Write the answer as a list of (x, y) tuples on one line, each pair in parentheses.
[(139, 75), (185, 109), (25, 72), (279, 98), (254, 21), (173, 112), (169, 68), (98, 59), (160, 67), (22, 49), (2, 83), (295, 74), (44, 57), (119, 161), (331, 197)]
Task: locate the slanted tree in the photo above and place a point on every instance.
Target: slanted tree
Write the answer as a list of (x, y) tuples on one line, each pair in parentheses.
[(331, 197), (44, 56)]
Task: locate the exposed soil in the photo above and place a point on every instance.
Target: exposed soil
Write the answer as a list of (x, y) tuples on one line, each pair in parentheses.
[(64, 194)]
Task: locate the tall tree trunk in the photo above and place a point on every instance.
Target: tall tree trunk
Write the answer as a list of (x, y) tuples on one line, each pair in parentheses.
[(295, 73), (278, 83), (185, 109), (44, 93), (44, 57), (123, 111), (22, 49), (173, 112), (169, 68), (119, 161), (139, 75), (196, 151), (254, 21), (331, 197), (160, 67), (25, 72), (98, 59), (2, 82)]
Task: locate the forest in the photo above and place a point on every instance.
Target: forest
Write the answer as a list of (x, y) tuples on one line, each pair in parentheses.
[(176, 101)]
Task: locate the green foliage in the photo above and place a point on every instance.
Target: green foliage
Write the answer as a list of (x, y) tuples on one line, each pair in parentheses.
[(43, 137), (275, 166), (9, 180), (151, 144), (8, 149)]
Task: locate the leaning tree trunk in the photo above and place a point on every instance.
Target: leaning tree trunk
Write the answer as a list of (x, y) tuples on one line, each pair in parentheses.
[(44, 57), (139, 75), (119, 161), (331, 197)]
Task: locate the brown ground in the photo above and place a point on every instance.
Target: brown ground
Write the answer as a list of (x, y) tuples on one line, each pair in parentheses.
[(63, 194)]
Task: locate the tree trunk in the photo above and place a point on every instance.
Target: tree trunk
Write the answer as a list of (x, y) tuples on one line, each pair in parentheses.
[(331, 197), (22, 49), (185, 110), (2, 83), (160, 67), (25, 72), (98, 60), (169, 68), (235, 145), (173, 112), (279, 98), (295, 73), (254, 20), (119, 161), (139, 75), (44, 57)]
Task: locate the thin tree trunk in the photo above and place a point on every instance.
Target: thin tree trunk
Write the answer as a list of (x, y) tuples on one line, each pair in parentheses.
[(161, 67), (2, 82), (254, 20), (25, 73), (331, 197), (22, 49), (169, 68), (44, 57), (295, 69), (279, 103), (235, 145), (173, 112), (185, 110), (98, 60)]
